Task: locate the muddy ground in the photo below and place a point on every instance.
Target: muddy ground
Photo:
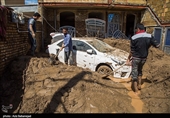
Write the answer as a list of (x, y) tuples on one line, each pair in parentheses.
[(32, 85)]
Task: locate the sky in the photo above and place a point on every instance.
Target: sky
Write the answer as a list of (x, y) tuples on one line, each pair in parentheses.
[(31, 2)]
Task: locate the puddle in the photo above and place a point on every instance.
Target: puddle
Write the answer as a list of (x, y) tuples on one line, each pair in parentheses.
[(136, 101)]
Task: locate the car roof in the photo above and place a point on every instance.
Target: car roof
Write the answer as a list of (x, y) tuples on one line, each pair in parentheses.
[(78, 38), (84, 38)]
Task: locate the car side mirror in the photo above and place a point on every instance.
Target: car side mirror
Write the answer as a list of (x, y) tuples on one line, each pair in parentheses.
[(89, 51)]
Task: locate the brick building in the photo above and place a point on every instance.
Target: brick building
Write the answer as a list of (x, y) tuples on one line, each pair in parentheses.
[(154, 15)]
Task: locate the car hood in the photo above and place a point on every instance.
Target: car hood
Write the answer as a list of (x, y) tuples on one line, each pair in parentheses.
[(117, 55)]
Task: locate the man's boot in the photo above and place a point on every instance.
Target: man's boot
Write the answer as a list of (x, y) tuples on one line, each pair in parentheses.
[(135, 86), (139, 82)]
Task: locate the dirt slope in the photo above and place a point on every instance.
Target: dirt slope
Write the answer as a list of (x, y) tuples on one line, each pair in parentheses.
[(32, 85)]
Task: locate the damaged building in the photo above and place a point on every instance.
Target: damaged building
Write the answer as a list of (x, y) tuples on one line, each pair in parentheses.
[(119, 17), (116, 18), (99, 18)]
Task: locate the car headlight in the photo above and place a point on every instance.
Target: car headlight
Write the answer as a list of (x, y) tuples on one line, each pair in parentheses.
[(118, 62), (114, 60), (121, 62)]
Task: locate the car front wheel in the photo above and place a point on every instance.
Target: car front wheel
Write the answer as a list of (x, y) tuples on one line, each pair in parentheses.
[(105, 70)]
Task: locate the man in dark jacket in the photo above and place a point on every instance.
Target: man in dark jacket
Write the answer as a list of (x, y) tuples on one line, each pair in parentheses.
[(140, 44), (32, 31)]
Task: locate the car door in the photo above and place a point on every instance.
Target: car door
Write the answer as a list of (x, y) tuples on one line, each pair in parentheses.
[(84, 59), (60, 53)]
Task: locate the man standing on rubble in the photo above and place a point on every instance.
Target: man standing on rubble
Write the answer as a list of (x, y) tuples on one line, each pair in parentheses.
[(67, 45), (32, 31), (139, 45)]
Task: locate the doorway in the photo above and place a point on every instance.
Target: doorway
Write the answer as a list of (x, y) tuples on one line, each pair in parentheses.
[(113, 23), (130, 21), (95, 15), (67, 18)]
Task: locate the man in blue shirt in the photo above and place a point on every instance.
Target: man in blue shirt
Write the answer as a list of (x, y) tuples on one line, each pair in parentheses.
[(32, 31), (67, 45)]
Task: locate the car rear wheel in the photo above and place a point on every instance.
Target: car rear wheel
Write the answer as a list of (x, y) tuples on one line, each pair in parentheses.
[(105, 70)]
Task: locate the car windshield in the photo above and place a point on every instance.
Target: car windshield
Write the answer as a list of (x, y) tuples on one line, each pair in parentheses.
[(101, 46)]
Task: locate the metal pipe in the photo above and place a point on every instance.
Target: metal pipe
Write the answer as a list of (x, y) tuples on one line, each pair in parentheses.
[(18, 28), (27, 31), (24, 30)]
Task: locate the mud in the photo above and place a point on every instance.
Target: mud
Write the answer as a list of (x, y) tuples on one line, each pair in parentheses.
[(33, 85)]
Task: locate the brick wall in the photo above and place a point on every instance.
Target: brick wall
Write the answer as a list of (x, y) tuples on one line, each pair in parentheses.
[(48, 25), (148, 19), (16, 43), (80, 16), (161, 8)]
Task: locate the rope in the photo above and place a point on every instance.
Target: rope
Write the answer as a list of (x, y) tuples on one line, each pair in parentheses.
[(49, 24)]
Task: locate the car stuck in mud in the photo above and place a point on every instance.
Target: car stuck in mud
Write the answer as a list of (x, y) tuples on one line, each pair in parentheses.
[(94, 54)]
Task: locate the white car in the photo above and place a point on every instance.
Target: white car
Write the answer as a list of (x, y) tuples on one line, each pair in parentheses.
[(96, 55)]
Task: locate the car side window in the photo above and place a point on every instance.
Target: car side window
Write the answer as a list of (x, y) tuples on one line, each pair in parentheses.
[(60, 44), (81, 46)]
